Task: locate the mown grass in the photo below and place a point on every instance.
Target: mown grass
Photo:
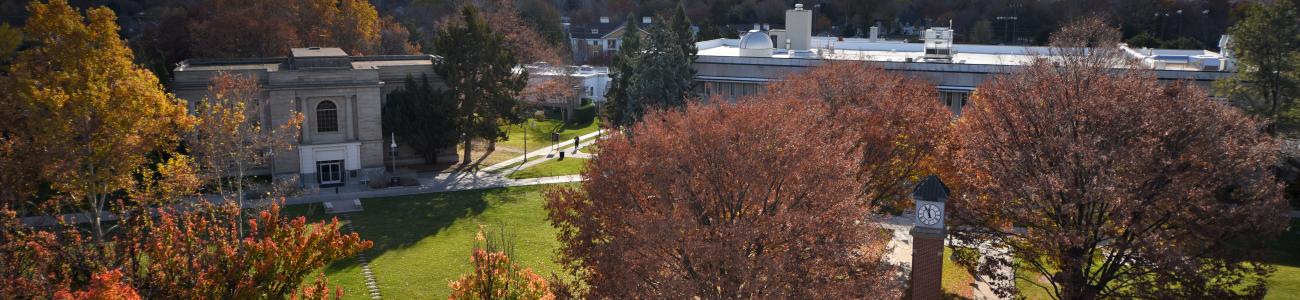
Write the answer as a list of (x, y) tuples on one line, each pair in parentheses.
[(554, 167), (423, 242), (956, 280)]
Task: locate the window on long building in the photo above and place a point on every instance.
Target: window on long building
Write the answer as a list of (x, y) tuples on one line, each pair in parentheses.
[(327, 117)]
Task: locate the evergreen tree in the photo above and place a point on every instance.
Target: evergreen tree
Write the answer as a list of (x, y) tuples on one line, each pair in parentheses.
[(663, 77), (619, 106), (653, 70), (685, 37), (1265, 45), (422, 117), (480, 72)]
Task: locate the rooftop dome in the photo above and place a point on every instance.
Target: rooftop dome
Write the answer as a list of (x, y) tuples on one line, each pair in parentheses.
[(756, 43), (756, 39)]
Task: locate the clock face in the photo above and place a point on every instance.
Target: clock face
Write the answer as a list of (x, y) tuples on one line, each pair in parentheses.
[(929, 214)]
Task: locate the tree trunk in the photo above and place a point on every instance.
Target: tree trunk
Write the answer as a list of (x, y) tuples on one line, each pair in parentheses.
[(96, 218), (465, 159), (1075, 284)]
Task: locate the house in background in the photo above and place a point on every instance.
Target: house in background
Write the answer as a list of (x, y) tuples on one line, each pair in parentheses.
[(596, 43), (562, 89)]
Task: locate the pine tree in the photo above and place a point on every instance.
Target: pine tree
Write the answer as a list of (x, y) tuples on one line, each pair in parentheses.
[(422, 117), (652, 71), (480, 72), (663, 76), (619, 107)]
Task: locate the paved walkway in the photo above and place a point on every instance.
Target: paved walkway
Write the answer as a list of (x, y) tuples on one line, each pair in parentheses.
[(444, 182), (539, 160), (545, 152)]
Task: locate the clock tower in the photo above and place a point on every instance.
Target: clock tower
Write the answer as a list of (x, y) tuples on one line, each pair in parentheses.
[(927, 238)]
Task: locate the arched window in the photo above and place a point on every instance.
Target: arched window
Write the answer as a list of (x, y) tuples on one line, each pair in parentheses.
[(327, 117)]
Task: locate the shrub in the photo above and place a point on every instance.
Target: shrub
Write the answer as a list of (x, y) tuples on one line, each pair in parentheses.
[(584, 114)]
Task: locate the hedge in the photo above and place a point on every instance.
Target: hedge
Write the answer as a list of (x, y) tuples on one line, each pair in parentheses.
[(584, 114)]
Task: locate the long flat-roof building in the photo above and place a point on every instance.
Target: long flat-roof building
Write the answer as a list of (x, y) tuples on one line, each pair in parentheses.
[(733, 68), (340, 96)]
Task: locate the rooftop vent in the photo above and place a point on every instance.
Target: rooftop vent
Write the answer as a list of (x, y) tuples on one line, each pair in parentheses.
[(938, 44), (798, 27)]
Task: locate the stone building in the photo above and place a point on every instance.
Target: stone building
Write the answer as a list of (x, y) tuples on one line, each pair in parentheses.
[(340, 96)]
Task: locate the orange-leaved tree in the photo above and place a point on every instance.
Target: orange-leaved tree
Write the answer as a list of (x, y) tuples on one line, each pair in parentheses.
[(895, 122), (197, 252), (495, 276), (256, 28), (759, 199), (1102, 182)]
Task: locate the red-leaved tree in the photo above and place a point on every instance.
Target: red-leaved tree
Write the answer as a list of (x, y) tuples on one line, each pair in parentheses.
[(196, 253), (1104, 183), (895, 122), (759, 199)]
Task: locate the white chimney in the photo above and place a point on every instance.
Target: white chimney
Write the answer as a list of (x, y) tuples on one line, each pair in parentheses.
[(604, 20), (645, 20), (798, 27)]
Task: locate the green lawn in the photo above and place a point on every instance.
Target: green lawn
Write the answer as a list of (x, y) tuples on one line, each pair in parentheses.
[(540, 135), (423, 242), (956, 281), (1283, 284), (554, 167)]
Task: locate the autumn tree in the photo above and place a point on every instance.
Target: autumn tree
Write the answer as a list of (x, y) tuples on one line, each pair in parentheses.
[(422, 117), (242, 28), (78, 97), (255, 28), (494, 276), (232, 138), (395, 39), (1265, 46), (10, 39), (530, 44), (1105, 183), (479, 69), (760, 199), (896, 123), (195, 253)]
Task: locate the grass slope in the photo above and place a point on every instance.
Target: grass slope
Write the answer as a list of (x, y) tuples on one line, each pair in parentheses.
[(423, 242), (1285, 283), (956, 281), (554, 167)]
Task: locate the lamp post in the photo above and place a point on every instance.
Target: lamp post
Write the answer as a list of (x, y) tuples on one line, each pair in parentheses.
[(531, 124), (392, 151)]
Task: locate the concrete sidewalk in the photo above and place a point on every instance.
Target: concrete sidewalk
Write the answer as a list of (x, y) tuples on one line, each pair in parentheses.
[(444, 182), (563, 146)]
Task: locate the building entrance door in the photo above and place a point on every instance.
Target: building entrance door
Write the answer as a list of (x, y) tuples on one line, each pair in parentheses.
[(330, 171)]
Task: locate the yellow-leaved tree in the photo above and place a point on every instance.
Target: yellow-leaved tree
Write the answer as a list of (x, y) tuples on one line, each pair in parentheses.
[(94, 115)]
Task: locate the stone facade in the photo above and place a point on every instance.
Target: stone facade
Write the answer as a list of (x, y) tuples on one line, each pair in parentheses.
[(348, 145)]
